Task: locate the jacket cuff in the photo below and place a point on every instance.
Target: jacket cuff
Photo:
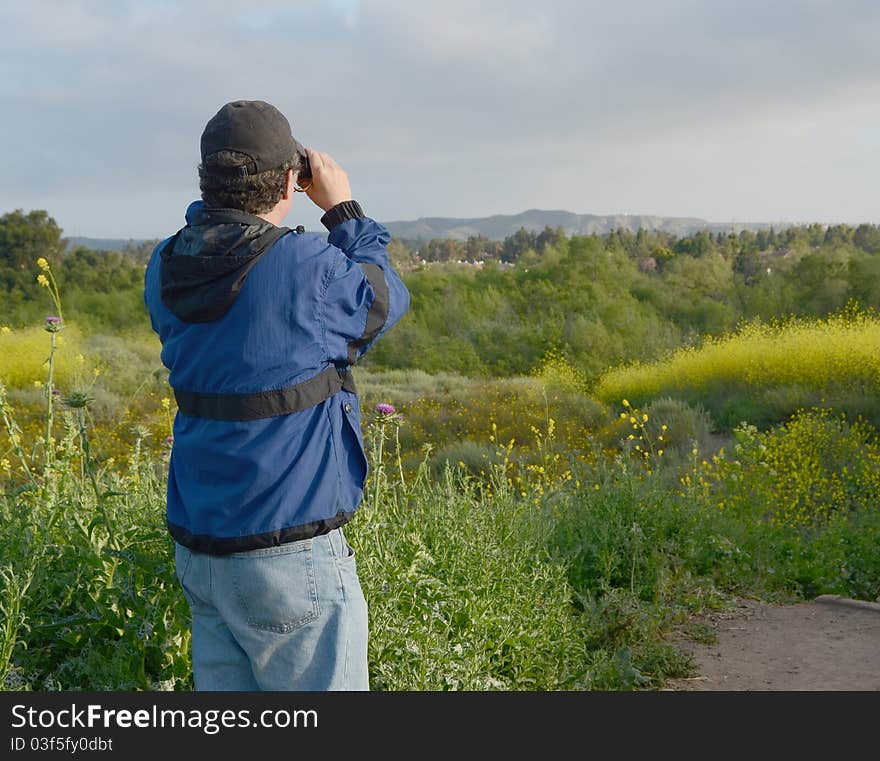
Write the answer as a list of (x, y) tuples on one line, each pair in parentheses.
[(341, 213)]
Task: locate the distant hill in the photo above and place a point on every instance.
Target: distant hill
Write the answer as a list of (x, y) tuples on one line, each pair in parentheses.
[(500, 226), (102, 244)]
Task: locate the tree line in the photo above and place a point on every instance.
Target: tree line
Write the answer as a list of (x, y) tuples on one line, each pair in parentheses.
[(596, 300), (605, 300)]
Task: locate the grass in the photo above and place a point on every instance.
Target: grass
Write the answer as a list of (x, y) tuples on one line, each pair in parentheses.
[(472, 583), (553, 549)]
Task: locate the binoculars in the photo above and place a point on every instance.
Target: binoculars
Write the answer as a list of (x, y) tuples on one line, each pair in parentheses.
[(305, 171)]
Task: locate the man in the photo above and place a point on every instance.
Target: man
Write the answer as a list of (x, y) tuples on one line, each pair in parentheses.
[(259, 326)]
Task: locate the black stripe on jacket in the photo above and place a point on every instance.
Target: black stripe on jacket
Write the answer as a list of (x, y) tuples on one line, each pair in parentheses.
[(378, 313), (264, 404)]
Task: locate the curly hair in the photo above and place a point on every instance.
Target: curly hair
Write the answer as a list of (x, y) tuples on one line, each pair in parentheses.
[(254, 194)]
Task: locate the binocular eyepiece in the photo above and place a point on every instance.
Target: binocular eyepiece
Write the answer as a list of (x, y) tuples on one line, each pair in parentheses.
[(305, 170)]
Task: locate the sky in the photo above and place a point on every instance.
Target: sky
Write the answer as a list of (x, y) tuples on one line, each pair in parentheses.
[(729, 111)]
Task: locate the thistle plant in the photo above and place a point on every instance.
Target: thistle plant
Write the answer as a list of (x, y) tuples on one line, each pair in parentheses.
[(78, 401), (54, 324), (385, 420)]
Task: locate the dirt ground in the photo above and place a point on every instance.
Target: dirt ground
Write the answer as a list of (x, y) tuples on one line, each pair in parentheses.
[(829, 644)]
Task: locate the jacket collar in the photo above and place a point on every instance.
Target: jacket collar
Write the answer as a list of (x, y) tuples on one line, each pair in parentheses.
[(199, 213)]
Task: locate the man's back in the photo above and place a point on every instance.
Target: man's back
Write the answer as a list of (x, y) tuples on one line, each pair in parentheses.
[(241, 484), (259, 327)]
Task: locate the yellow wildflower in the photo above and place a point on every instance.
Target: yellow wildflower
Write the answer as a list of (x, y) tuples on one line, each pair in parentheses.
[(43, 280), (166, 403), (5, 464), (43, 264), (5, 330), (644, 418)]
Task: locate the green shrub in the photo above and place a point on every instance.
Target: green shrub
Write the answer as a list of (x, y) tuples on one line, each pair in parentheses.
[(814, 468), (686, 425), (473, 456)]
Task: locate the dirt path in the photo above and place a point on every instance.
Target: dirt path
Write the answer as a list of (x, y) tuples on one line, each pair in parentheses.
[(829, 644)]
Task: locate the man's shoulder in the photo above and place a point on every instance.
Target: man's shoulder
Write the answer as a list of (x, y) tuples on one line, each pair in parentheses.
[(307, 239), (303, 246)]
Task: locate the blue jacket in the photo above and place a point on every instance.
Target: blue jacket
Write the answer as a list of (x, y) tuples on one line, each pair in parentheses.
[(259, 326)]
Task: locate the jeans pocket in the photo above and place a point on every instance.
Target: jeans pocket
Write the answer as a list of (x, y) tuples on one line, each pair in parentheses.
[(182, 560), (347, 550), (277, 592)]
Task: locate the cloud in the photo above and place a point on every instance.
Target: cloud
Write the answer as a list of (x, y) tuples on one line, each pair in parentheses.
[(660, 106)]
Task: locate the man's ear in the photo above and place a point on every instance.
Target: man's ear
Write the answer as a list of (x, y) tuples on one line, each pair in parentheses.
[(289, 185)]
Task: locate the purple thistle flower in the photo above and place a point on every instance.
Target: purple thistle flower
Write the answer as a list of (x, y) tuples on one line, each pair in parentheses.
[(52, 320), (169, 440), (56, 392), (385, 409)]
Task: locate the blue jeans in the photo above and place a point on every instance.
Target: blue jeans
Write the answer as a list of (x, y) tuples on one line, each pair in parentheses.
[(292, 617)]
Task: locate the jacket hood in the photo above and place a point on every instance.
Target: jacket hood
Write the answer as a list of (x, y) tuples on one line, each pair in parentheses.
[(204, 266)]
